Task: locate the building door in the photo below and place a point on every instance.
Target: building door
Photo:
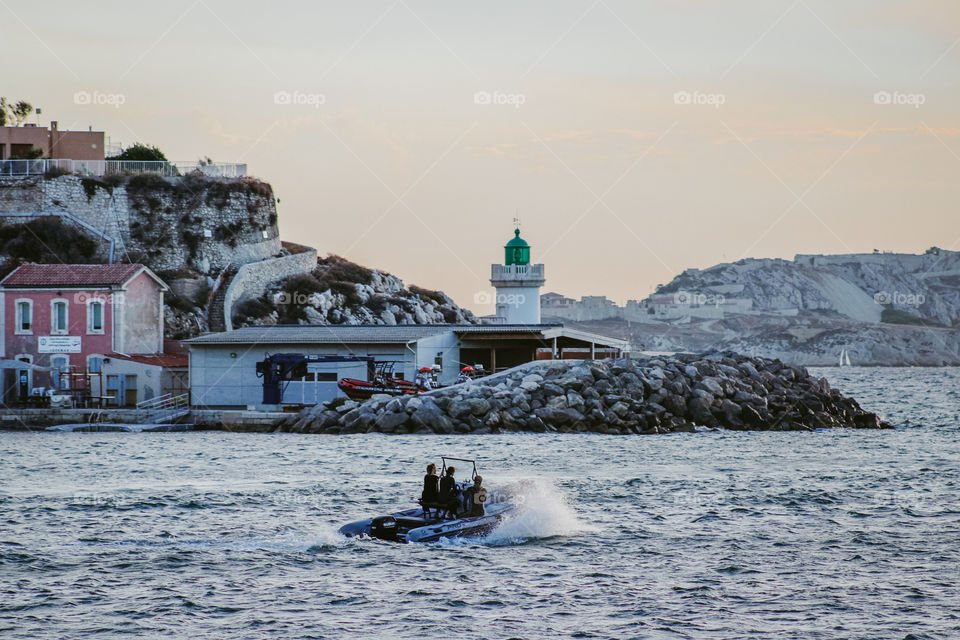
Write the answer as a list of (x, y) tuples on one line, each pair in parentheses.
[(59, 372), (24, 379), (130, 390), (113, 389)]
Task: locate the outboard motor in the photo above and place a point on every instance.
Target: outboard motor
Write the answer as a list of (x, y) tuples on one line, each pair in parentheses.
[(384, 527)]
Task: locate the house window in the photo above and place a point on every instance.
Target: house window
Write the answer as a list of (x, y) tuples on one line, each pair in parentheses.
[(94, 364), (24, 316), (95, 316), (59, 324)]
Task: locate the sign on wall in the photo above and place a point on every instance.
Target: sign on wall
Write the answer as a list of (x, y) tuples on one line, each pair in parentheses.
[(59, 344)]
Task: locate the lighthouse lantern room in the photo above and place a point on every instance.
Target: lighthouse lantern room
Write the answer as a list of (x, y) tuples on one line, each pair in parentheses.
[(517, 283)]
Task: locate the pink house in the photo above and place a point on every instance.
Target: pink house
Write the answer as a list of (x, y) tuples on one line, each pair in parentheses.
[(77, 322)]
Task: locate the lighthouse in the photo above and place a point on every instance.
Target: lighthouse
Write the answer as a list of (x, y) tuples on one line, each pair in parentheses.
[(517, 283)]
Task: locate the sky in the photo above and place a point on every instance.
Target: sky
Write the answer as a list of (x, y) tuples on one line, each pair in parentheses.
[(633, 139)]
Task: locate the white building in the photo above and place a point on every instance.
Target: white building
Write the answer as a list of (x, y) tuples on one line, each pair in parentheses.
[(517, 283), (223, 366)]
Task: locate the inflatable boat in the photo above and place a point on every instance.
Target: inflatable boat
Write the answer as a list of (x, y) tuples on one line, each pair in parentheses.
[(429, 523)]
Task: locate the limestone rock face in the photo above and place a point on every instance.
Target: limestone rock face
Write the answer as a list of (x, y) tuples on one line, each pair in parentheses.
[(341, 292), (713, 390)]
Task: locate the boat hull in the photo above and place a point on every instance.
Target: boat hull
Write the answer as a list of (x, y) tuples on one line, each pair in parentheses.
[(414, 526)]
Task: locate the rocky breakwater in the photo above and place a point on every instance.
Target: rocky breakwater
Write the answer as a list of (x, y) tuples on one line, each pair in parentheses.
[(656, 395)]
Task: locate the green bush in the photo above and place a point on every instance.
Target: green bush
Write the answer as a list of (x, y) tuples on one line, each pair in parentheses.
[(55, 172), (429, 294), (141, 152), (254, 308), (45, 240), (334, 268)]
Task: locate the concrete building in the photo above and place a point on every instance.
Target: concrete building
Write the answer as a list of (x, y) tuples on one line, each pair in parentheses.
[(92, 328), (517, 283), (20, 142), (223, 373)]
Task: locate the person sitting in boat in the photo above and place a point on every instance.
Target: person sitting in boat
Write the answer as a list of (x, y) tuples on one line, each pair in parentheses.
[(476, 497), (449, 492), (431, 486)]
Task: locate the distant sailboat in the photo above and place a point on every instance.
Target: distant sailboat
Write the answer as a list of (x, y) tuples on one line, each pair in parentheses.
[(844, 358)]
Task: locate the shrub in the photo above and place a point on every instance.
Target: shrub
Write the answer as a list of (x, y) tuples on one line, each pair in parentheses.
[(142, 152), (335, 268), (90, 186), (55, 172), (304, 284), (147, 182), (429, 294), (45, 240), (897, 316), (254, 308)]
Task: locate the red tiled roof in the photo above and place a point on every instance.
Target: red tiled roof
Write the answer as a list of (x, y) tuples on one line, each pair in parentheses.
[(157, 359), (70, 275)]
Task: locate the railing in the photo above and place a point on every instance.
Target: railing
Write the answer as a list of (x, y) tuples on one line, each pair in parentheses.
[(120, 167), (516, 271), (163, 409)]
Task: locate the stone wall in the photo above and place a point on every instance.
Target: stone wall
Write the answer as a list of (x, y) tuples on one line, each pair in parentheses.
[(192, 222), (252, 279)]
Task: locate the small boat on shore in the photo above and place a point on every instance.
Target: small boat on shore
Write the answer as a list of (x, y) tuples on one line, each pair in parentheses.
[(384, 381)]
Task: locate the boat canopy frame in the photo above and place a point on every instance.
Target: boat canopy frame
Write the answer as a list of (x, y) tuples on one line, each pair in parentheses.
[(473, 462)]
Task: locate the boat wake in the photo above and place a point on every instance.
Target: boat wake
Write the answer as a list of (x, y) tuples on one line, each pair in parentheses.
[(544, 512)]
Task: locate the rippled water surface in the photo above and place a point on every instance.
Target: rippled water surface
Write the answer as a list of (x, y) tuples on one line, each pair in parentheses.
[(831, 534)]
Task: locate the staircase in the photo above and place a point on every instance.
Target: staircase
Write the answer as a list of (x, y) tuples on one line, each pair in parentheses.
[(163, 409), (216, 316)]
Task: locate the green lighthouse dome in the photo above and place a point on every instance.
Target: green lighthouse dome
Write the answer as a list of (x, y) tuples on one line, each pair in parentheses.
[(517, 251)]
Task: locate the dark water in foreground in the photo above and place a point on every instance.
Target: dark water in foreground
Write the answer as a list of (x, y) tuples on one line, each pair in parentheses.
[(832, 534)]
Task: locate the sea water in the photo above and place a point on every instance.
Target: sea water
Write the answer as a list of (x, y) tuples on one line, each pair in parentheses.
[(831, 534)]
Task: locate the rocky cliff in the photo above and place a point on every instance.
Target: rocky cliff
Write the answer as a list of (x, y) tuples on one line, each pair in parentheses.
[(341, 292), (653, 395), (873, 287)]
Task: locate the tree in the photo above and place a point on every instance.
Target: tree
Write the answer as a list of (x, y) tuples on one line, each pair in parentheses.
[(21, 111), (142, 152)]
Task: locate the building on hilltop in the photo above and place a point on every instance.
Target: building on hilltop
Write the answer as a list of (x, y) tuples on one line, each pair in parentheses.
[(92, 331), (26, 141)]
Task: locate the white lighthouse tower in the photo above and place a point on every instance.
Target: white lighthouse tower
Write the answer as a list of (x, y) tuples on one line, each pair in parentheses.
[(517, 283)]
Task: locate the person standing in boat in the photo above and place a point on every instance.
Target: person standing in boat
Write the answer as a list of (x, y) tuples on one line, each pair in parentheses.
[(449, 491), (431, 486)]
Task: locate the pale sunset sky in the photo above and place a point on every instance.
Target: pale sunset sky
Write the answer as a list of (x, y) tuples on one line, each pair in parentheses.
[(633, 139)]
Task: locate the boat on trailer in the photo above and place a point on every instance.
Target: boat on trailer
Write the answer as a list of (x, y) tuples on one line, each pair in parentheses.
[(384, 381), (427, 523)]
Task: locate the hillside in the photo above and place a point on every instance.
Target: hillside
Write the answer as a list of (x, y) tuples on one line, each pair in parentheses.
[(883, 309), (341, 292), (859, 286), (214, 241)]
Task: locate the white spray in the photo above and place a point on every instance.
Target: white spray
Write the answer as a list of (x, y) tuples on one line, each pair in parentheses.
[(543, 512)]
